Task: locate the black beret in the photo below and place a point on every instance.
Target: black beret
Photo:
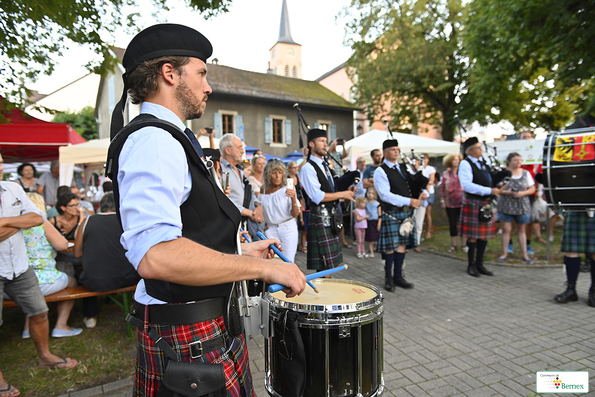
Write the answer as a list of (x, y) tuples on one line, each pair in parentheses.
[(166, 39), (389, 143), (316, 133), (469, 142), (214, 154)]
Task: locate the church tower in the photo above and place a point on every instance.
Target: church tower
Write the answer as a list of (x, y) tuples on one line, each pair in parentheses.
[(286, 54)]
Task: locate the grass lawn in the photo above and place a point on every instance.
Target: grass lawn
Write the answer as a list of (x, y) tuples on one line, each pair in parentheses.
[(105, 353), (440, 242)]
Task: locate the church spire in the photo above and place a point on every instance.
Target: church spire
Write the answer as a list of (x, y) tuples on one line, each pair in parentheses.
[(284, 29)]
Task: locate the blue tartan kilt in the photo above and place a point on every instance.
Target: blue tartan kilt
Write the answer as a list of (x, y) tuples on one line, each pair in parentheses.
[(390, 238), (579, 233), (471, 227), (324, 247)]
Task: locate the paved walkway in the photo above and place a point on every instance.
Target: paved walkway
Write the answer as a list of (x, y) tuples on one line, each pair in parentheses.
[(454, 335)]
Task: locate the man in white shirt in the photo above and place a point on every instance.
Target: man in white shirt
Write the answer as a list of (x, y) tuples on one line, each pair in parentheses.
[(17, 278)]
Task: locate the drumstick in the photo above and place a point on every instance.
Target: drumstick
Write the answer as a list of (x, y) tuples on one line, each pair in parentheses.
[(283, 257), (309, 277)]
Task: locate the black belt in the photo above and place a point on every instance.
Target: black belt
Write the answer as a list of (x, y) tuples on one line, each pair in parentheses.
[(181, 314), (390, 207), (315, 209), (476, 197), (195, 312)]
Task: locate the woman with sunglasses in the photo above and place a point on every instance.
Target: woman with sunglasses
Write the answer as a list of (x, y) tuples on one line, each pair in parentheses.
[(280, 207), (70, 215)]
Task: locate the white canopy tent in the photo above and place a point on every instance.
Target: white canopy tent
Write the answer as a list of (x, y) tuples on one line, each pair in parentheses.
[(92, 156), (364, 144)]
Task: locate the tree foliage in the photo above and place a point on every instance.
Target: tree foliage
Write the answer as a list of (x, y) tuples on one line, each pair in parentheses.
[(532, 61), (406, 61), (33, 33), (83, 122)]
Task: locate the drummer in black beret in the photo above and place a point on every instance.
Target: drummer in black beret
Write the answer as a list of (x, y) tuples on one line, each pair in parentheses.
[(179, 228)]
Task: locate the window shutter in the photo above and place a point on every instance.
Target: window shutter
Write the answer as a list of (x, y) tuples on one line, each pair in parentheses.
[(268, 130), (217, 124), (288, 132), (333, 132), (240, 127)]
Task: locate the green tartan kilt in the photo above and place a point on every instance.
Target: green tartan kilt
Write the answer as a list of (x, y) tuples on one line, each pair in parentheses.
[(579, 233), (322, 243)]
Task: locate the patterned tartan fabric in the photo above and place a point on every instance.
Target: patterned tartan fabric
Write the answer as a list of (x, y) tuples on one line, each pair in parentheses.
[(372, 233), (579, 233), (390, 238), (322, 243), (470, 226), (151, 361)]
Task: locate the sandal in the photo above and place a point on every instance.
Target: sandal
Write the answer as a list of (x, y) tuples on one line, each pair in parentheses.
[(451, 249), (10, 391), (348, 246), (66, 364)]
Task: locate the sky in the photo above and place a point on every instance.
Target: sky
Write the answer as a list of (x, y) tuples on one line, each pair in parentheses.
[(241, 38)]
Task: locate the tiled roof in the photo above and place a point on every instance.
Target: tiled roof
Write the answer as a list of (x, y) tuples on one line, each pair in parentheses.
[(231, 81)]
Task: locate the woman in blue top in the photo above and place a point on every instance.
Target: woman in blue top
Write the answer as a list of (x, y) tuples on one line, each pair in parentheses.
[(42, 242)]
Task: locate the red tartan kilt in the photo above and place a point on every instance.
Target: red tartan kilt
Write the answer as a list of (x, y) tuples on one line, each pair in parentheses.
[(470, 225)]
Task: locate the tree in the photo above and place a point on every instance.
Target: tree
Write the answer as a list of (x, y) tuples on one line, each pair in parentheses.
[(406, 61), (532, 61), (32, 32), (83, 122)]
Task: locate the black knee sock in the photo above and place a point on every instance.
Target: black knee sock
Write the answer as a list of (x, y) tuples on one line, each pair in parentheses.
[(399, 259), (388, 264), (471, 252), (481, 249), (573, 267), (592, 272)]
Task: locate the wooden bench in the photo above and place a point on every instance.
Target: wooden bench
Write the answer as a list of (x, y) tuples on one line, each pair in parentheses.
[(81, 292)]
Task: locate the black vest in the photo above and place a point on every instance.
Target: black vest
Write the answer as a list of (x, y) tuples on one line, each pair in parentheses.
[(398, 184), (479, 177), (325, 186), (208, 216)]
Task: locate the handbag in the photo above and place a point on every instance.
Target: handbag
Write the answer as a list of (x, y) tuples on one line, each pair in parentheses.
[(538, 210), (193, 380)]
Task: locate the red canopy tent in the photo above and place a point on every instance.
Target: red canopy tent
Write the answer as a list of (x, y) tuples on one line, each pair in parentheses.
[(24, 138)]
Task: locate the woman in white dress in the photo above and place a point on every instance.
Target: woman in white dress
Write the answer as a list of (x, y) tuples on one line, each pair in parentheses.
[(280, 207)]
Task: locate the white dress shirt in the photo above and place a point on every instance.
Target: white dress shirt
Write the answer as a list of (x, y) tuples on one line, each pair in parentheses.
[(13, 252), (310, 182), (382, 186), (466, 178)]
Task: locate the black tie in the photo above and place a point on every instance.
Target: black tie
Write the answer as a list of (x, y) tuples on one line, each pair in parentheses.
[(195, 142), (329, 177)]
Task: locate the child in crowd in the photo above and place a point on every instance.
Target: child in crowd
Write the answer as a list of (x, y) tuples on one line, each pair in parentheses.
[(360, 225), (373, 210)]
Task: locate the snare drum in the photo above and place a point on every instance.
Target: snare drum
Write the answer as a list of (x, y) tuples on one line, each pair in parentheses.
[(569, 169), (341, 332)]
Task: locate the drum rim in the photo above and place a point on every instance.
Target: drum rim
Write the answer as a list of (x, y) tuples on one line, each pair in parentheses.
[(330, 309)]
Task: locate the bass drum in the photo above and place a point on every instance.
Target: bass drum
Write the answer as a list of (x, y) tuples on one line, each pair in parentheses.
[(339, 331), (569, 169)]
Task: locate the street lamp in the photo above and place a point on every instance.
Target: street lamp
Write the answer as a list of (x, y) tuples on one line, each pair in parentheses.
[(359, 129)]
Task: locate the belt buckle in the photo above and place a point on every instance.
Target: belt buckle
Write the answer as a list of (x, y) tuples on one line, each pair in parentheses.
[(195, 346)]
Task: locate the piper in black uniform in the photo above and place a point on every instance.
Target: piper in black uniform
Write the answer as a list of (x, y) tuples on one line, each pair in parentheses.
[(476, 182), (392, 182), (324, 247), (179, 229)]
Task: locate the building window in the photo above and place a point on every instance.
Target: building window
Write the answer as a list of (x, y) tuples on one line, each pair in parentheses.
[(227, 124), (294, 74), (277, 131), (286, 70)]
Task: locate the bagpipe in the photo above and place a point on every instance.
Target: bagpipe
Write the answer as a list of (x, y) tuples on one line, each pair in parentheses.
[(348, 178), (500, 175), (418, 182)]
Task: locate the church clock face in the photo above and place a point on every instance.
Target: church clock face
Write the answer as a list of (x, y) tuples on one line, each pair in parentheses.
[(290, 52)]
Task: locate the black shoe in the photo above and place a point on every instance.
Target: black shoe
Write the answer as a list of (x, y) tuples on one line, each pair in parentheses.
[(401, 282), (482, 270), (389, 285), (472, 270), (592, 297), (567, 296)]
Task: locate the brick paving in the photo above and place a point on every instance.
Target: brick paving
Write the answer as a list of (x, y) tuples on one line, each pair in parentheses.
[(455, 335)]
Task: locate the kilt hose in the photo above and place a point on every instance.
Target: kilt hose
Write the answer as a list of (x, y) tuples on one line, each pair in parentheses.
[(390, 238), (151, 361), (579, 233), (322, 243), (471, 227)]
